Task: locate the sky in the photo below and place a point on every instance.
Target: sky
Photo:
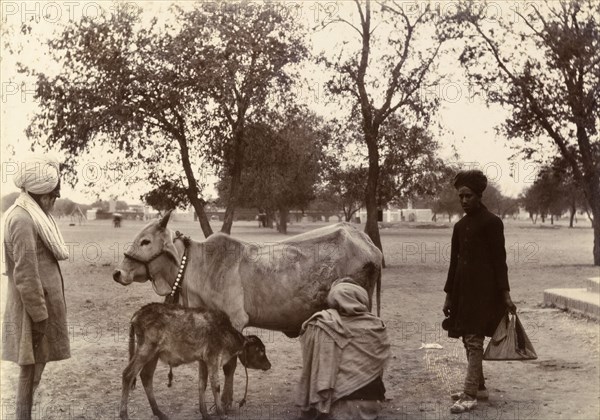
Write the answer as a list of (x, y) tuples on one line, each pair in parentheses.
[(468, 125)]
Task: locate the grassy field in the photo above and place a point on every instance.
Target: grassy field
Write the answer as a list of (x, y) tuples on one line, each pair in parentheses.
[(562, 383)]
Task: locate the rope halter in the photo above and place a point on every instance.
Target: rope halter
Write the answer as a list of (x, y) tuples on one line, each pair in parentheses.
[(172, 297)]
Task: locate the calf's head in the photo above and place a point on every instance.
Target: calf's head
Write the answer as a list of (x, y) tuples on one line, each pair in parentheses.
[(253, 354), (149, 256)]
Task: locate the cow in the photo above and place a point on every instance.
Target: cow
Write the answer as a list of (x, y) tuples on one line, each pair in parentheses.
[(178, 335), (276, 285)]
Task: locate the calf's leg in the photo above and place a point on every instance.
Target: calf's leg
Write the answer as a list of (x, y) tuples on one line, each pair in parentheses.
[(147, 376), (213, 373), (239, 320), (202, 377), (131, 371), (228, 370)]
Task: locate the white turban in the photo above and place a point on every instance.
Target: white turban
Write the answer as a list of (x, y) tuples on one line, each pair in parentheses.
[(37, 174)]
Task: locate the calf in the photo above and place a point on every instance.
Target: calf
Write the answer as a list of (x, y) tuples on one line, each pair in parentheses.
[(178, 335)]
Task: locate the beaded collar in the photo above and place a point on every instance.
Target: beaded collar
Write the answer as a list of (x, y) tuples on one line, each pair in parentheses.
[(173, 297)]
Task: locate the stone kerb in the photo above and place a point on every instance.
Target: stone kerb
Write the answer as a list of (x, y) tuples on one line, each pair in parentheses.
[(584, 300)]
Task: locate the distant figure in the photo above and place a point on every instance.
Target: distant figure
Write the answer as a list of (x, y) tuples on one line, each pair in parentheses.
[(35, 321), (477, 290), (262, 219), (344, 352), (117, 220)]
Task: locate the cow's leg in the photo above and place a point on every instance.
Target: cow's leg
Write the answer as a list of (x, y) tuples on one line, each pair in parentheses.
[(202, 377), (147, 376), (134, 367), (239, 321), (215, 386)]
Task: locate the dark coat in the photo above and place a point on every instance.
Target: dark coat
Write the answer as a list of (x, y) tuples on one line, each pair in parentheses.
[(35, 292), (478, 274)]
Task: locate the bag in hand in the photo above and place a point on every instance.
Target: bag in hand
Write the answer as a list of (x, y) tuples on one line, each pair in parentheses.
[(509, 342)]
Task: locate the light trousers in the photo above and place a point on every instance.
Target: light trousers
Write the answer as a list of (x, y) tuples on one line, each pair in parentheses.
[(474, 380), (29, 379)]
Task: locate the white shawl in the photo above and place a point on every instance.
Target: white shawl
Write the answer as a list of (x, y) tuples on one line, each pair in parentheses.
[(45, 225)]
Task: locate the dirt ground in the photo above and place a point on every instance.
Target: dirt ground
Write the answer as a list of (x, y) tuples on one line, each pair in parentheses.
[(563, 383)]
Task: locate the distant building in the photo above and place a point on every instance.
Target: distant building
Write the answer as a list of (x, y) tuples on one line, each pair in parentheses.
[(136, 208), (393, 215), (91, 214)]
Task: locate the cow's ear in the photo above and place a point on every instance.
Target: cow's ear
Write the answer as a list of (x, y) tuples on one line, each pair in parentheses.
[(163, 222)]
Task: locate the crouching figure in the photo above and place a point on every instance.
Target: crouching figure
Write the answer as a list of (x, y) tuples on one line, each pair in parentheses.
[(345, 350), (178, 335)]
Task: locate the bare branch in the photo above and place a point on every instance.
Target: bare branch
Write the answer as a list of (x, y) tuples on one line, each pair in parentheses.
[(340, 20), (536, 108), (417, 85), (360, 12)]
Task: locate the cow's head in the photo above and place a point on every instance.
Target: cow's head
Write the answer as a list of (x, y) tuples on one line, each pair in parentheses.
[(151, 256)]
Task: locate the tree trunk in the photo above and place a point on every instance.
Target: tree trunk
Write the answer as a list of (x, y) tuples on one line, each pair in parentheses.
[(270, 217), (591, 181), (192, 190), (350, 214), (594, 203), (572, 212), (283, 217), (198, 205), (372, 227), (236, 177), (596, 241)]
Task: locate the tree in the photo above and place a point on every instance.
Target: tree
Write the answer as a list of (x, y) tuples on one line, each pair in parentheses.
[(446, 201), (530, 202), (572, 195), (283, 164), (101, 204), (509, 206), (167, 196), (393, 80), (167, 98), (64, 207), (251, 49), (345, 186), (439, 193), (498, 203), (550, 89), (121, 205), (129, 88), (410, 166), (326, 204), (555, 191), (545, 197)]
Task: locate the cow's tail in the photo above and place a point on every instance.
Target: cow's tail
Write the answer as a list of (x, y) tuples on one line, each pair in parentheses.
[(365, 278), (132, 347), (378, 292), (170, 376)]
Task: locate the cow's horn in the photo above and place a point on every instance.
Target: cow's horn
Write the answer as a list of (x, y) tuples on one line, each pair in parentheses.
[(165, 220)]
